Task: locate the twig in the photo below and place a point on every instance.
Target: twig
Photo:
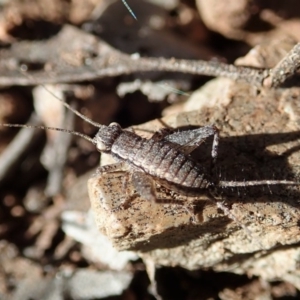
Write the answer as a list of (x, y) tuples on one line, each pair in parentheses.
[(287, 67), (59, 157), (98, 60)]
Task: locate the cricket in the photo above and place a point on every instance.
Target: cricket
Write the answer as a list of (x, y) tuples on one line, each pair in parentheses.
[(165, 158)]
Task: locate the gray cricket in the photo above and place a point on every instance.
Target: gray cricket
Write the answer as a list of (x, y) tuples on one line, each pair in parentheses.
[(165, 158)]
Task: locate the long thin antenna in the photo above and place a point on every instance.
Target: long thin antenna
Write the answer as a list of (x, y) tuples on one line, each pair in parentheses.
[(86, 137), (223, 183), (174, 90), (83, 117), (129, 9)]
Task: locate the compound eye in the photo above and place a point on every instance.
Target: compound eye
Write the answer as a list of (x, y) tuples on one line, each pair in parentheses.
[(114, 124)]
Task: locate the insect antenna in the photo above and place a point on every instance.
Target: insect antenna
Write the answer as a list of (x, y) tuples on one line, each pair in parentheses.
[(129, 9), (168, 87), (86, 137), (223, 183), (23, 70)]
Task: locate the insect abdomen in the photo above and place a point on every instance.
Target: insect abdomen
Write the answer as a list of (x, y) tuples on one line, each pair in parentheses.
[(159, 159)]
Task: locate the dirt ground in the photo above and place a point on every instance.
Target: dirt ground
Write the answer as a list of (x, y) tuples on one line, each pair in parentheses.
[(113, 68)]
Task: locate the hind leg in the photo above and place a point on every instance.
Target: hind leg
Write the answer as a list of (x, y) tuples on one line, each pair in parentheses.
[(145, 187)]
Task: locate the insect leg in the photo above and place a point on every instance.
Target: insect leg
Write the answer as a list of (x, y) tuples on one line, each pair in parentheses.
[(212, 197), (112, 168), (129, 196), (215, 145), (162, 133), (144, 185)]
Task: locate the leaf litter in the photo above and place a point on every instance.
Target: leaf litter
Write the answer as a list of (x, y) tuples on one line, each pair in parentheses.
[(229, 121)]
